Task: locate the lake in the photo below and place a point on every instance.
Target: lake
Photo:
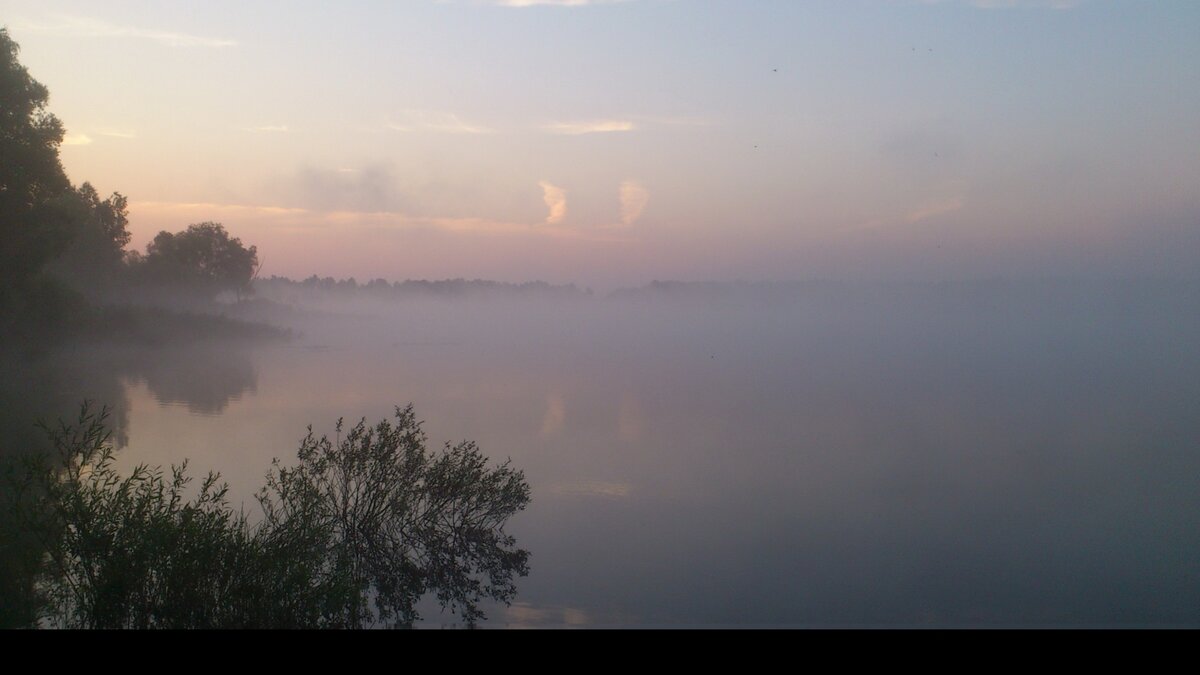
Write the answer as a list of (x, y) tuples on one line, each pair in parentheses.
[(962, 455)]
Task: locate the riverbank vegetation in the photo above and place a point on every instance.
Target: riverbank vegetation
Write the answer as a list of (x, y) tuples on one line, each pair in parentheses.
[(64, 258), (351, 535)]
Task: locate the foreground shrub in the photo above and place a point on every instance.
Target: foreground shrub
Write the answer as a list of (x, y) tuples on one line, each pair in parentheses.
[(353, 535)]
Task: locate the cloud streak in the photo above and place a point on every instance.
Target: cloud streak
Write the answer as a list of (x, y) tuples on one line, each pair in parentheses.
[(589, 127), (1010, 4), (556, 201), (551, 3), (555, 418), (923, 211), (440, 122), (221, 209), (592, 488), (371, 188), (86, 27), (291, 219), (935, 208), (634, 198)]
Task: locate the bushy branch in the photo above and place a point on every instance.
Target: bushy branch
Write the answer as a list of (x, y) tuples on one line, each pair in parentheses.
[(352, 535), (402, 521)]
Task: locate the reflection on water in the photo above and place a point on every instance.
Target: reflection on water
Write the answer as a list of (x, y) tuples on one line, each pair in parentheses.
[(50, 387), (203, 378), (41, 390), (886, 460), (524, 615)]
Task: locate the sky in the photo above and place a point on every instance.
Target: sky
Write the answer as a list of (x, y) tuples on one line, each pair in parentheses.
[(611, 143)]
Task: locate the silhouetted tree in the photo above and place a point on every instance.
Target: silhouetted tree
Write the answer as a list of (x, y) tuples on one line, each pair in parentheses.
[(35, 218), (95, 256), (396, 521), (203, 258)]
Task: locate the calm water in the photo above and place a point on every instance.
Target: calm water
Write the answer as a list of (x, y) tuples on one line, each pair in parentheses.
[(870, 458)]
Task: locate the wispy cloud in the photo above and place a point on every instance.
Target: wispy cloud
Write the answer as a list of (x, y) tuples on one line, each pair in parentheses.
[(556, 201), (228, 210), (589, 127), (592, 488), (934, 208), (86, 27), (1010, 4), (673, 120), (550, 3), (624, 123), (84, 139), (554, 421), (440, 122), (524, 615), (369, 188), (634, 198), (923, 211), (291, 219)]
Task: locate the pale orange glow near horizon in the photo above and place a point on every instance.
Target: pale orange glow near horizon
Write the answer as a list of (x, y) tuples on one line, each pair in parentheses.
[(753, 141)]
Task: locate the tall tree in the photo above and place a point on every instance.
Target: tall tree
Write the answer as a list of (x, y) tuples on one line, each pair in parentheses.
[(94, 258), (35, 214)]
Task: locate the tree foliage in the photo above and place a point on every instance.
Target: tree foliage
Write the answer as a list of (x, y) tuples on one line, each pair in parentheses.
[(130, 551), (96, 254), (203, 257), (35, 223), (399, 521), (353, 535), (58, 240), (45, 224)]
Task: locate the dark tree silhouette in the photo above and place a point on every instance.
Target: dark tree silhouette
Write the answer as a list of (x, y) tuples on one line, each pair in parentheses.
[(397, 521), (353, 535), (203, 258), (35, 221), (94, 258)]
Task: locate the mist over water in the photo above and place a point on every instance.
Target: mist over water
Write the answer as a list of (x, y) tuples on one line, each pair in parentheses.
[(959, 389), (967, 454)]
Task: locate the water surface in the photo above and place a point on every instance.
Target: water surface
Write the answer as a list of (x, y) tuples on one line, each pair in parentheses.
[(875, 458)]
